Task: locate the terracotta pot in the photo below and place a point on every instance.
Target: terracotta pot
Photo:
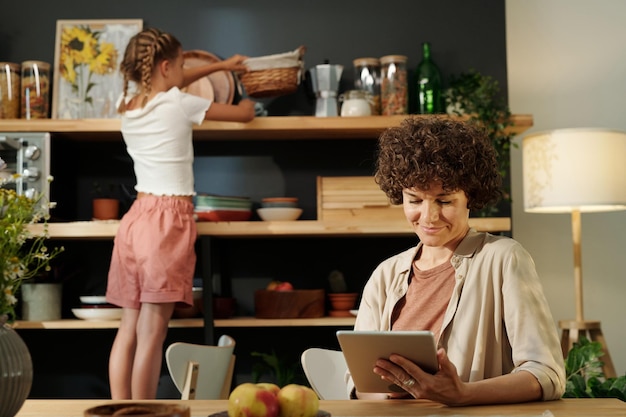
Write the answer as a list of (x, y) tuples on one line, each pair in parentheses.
[(106, 208), (342, 301), (224, 307)]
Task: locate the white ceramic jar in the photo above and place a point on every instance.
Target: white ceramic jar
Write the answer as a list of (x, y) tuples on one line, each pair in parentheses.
[(355, 103)]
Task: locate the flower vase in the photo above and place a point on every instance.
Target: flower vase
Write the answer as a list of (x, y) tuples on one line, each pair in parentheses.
[(16, 370)]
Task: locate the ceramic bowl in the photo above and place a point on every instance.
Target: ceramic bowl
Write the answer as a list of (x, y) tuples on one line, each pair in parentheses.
[(93, 299), (279, 213), (98, 313), (291, 202), (191, 311)]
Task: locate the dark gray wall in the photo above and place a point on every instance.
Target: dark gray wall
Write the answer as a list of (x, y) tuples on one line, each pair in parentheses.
[(464, 34)]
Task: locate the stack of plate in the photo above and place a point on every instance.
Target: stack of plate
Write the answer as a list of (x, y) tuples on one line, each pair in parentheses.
[(216, 208), (95, 307)]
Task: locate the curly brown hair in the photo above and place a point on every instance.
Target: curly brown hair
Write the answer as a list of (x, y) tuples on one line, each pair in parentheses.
[(423, 150), (145, 50)]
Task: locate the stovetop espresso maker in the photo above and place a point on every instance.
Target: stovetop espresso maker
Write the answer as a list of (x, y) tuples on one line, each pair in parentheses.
[(325, 83)]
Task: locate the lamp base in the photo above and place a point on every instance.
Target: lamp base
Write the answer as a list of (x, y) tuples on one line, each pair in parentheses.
[(573, 330)]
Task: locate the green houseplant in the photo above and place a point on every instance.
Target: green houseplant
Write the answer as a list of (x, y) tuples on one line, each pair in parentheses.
[(22, 254), (585, 378), (478, 97)]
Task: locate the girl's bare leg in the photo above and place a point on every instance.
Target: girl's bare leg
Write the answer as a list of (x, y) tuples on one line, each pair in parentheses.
[(123, 355), (152, 325)]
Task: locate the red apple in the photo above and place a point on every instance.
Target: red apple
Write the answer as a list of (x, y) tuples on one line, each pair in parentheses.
[(253, 400), (269, 386), (284, 286), (297, 401)]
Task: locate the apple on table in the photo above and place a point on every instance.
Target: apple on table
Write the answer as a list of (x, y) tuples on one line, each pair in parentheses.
[(268, 400)]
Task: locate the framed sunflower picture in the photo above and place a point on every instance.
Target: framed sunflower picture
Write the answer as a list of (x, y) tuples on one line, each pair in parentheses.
[(87, 56)]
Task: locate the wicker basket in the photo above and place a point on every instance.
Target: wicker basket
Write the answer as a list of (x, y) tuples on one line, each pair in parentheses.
[(273, 75)]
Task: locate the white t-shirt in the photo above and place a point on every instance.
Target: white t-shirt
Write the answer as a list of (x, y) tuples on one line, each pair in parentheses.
[(159, 139)]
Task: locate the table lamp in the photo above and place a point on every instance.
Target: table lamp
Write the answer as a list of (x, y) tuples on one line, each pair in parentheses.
[(576, 171)]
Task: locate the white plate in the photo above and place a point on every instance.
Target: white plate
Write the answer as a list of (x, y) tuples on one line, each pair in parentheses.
[(98, 313), (93, 299), (354, 312)]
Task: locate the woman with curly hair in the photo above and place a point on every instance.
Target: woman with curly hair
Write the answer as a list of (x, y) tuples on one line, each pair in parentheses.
[(478, 293)]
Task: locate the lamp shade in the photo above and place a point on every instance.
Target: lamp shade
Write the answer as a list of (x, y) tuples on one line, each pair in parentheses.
[(580, 169)]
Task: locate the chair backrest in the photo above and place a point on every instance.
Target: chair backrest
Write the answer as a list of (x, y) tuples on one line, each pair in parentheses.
[(325, 370), (202, 372)]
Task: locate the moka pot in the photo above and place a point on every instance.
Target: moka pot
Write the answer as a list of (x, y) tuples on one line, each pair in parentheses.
[(325, 82)]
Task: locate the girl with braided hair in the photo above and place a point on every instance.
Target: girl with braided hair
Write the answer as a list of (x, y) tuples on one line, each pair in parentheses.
[(153, 260)]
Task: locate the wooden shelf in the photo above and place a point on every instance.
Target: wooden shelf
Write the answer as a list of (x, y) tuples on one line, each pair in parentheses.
[(301, 228), (261, 128), (70, 324)]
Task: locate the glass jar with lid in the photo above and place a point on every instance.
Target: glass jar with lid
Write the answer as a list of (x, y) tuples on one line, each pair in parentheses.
[(9, 90), (394, 85), (35, 89), (367, 78), (355, 103)]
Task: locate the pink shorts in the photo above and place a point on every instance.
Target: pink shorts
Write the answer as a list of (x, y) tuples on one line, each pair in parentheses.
[(154, 256)]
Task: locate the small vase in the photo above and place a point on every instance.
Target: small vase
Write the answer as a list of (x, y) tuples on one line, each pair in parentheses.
[(106, 208), (42, 301), (16, 370)]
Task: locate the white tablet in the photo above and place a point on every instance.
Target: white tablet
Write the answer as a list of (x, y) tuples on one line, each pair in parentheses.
[(361, 349)]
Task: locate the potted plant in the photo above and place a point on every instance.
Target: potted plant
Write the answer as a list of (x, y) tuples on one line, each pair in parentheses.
[(341, 300), (585, 378), (478, 97), (106, 202), (22, 256)]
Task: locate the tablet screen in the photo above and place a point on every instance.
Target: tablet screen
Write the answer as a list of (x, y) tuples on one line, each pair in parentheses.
[(361, 349)]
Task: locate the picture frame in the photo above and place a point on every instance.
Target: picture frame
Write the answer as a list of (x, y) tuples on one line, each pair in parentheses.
[(87, 56)]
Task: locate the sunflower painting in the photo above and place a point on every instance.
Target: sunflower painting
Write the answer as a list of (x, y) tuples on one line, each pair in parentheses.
[(86, 67)]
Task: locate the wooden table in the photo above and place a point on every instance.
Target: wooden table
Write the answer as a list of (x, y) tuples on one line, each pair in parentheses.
[(604, 407)]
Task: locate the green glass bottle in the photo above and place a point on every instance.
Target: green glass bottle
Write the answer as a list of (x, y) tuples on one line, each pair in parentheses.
[(428, 79)]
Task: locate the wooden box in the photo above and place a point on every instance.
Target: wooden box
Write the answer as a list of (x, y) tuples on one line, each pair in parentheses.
[(354, 198), (270, 304)]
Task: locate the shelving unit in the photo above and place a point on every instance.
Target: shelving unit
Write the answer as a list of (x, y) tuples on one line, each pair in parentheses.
[(196, 322), (291, 128), (261, 128)]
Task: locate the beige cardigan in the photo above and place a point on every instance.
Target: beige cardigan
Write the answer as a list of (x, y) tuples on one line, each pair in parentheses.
[(498, 320)]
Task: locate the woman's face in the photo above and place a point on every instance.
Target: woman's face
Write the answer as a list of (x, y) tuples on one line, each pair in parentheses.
[(439, 218)]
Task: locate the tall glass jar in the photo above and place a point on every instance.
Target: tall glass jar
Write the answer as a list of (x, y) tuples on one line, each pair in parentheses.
[(9, 90), (394, 85), (367, 78), (35, 89)]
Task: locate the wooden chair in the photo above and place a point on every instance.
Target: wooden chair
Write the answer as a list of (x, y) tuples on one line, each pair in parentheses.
[(202, 372), (325, 370)]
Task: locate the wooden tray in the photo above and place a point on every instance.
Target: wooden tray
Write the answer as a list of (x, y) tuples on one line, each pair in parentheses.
[(288, 304)]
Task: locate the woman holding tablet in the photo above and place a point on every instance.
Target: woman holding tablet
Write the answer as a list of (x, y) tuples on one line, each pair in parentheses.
[(478, 293)]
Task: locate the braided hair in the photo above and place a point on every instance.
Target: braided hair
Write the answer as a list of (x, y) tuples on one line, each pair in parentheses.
[(143, 52)]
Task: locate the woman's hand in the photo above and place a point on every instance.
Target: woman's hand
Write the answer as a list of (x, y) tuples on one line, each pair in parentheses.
[(444, 386)]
